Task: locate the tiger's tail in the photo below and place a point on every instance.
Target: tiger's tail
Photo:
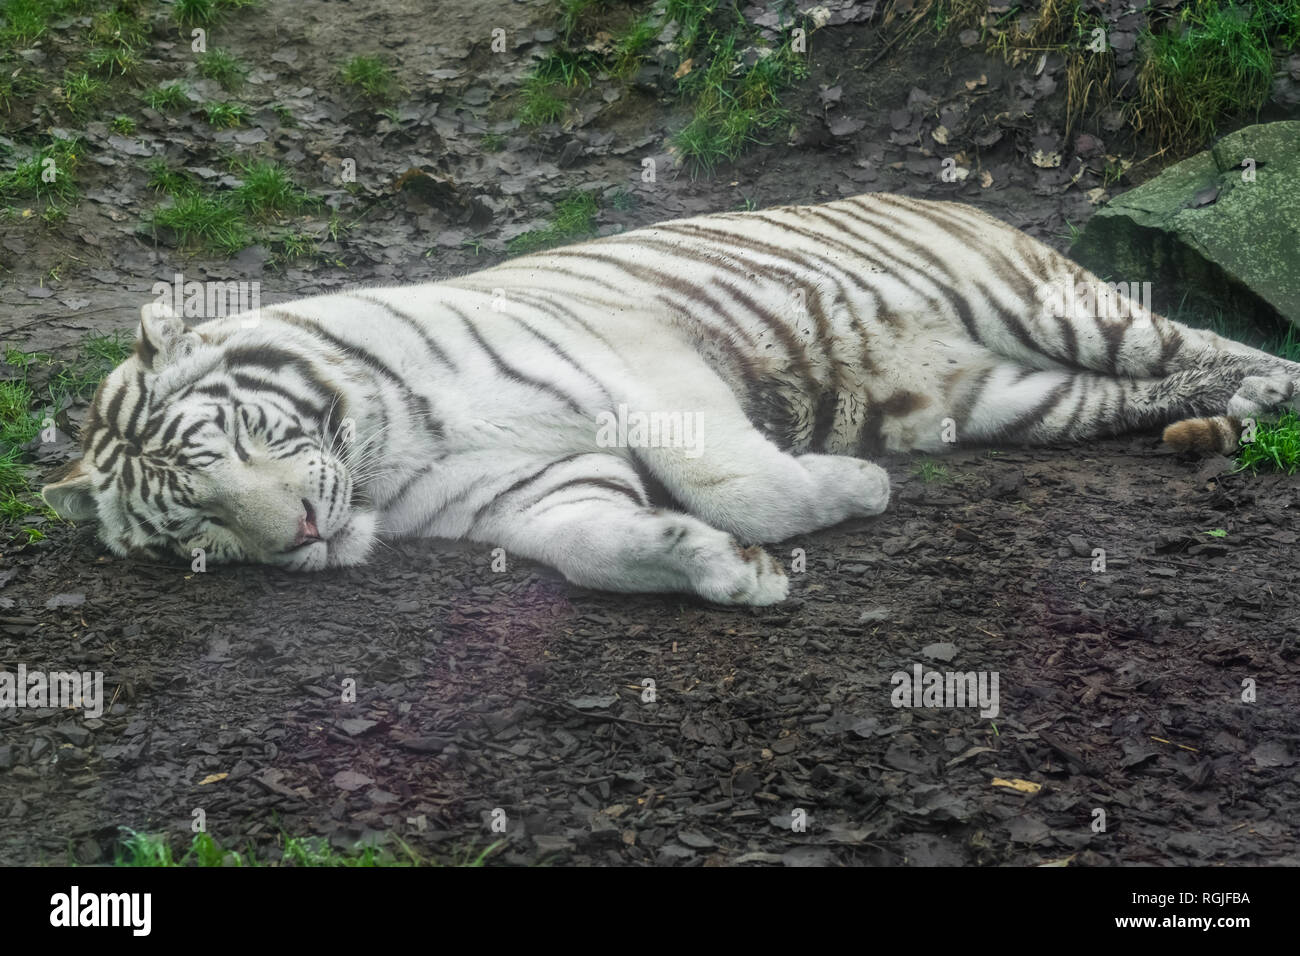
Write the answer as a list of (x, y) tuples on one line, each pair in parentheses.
[(1221, 434)]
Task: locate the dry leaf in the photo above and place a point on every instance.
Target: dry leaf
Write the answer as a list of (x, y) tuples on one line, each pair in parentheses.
[(602, 42), (971, 84), (684, 68), (940, 135), (986, 179), (1023, 786), (1045, 160), (213, 778)]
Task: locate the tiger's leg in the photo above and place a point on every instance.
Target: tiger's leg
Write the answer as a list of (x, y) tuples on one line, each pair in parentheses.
[(1004, 401), (730, 475), (588, 518), (746, 485)]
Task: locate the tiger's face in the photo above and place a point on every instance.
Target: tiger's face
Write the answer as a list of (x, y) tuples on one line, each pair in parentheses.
[(225, 445)]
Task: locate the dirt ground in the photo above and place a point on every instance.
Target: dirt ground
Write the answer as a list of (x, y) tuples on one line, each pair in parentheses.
[(1147, 711)]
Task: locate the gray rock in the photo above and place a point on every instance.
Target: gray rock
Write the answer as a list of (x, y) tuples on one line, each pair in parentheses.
[(1204, 224)]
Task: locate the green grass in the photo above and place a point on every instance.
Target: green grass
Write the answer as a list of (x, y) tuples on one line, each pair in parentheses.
[(123, 26), (169, 96), (734, 95), (220, 221), (203, 13), (49, 175), (930, 471), (164, 179), (140, 849), (267, 190), (208, 222), (81, 91), (25, 21), (22, 410), (631, 45), (1276, 446), (224, 67), (690, 16), (121, 60), (123, 125), (733, 103), (196, 13), (566, 68), (538, 103), (225, 115), (1215, 61), (575, 216), (369, 76)]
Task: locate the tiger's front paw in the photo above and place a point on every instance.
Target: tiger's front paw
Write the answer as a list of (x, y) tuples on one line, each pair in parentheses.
[(848, 487), (748, 576)]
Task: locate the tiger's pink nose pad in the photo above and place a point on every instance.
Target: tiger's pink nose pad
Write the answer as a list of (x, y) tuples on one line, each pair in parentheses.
[(307, 530)]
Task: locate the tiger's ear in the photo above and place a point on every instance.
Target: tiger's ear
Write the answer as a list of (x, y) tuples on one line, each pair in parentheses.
[(71, 496), (163, 337)]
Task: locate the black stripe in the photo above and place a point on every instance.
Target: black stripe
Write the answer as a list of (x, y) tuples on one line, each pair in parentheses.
[(609, 484), (412, 323), (522, 483), (508, 370), (303, 408)]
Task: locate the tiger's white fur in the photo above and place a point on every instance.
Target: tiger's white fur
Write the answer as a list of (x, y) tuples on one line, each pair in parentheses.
[(803, 338)]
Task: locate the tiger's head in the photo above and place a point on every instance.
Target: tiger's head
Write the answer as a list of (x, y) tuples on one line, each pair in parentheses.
[(223, 438)]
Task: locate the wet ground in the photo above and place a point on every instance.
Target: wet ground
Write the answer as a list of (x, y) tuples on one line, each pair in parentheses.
[(1147, 703)]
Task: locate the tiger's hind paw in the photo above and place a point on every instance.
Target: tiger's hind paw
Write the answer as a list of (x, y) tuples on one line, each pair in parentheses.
[(1261, 394)]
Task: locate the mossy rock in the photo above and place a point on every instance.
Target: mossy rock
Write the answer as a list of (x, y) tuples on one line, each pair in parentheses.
[(1212, 227)]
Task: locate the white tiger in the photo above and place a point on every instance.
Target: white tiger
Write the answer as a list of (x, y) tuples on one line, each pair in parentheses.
[(793, 341)]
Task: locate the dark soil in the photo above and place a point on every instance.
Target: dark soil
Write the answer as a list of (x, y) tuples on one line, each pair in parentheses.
[(1120, 691), (513, 697)]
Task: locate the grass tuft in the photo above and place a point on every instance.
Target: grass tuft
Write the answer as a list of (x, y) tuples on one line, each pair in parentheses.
[(49, 175), (1215, 61), (369, 76), (169, 96), (23, 408), (267, 191), (226, 68), (225, 115), (209, 222), (1276, 446), (575, 216)]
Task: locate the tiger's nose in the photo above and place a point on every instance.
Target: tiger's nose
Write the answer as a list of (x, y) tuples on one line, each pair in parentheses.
[(307, 530)]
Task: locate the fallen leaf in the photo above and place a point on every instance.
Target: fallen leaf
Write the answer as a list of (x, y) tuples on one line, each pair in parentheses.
[(213, 778), (684, 68), (1023, 786)]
